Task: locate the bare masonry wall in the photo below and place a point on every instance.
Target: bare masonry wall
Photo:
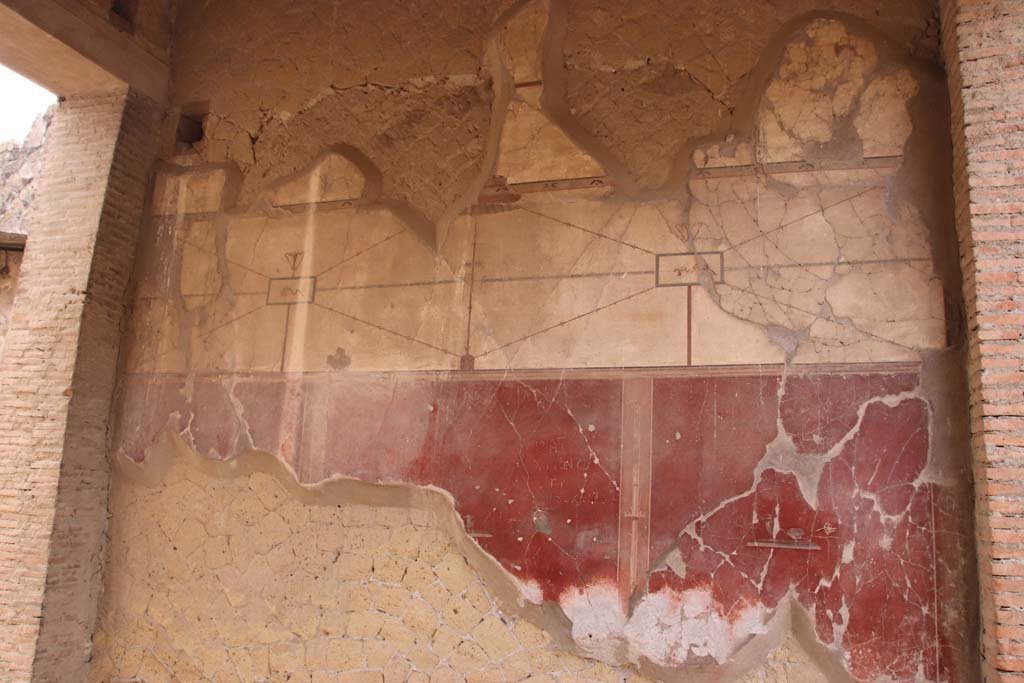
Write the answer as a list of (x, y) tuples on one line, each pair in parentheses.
[(983, 46), (58, 363)]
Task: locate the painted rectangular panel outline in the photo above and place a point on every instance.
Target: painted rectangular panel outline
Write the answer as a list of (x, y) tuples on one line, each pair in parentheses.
[(707, 255), (279, 293)]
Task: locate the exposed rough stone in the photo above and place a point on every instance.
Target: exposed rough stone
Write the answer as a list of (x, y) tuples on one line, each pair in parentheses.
[(19, 168), (231, 572), (409, 133), (309, 46), (815, 89), (10, 268), (788, 663), (684, 71), (344, 74)]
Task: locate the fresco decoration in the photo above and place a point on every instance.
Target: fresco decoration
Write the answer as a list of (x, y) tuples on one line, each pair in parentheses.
[(670, 416)]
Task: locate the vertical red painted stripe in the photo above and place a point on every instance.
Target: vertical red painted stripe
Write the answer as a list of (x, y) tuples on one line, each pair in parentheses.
[(689, 325), (635, 482)]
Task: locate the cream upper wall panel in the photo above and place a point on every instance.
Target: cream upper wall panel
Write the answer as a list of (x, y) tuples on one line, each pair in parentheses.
[(825, 266), (780, 246), (384, 329), (725, 339), (619, 321)]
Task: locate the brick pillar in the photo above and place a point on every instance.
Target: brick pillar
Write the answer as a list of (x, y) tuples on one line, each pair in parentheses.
[(57, 378), (984, 50)]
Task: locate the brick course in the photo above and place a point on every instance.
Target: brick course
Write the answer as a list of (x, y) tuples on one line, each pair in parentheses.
[(984, 50), (64, 333)]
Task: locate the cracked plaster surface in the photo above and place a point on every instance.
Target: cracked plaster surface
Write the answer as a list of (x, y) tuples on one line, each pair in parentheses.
[(793, 243), (766, 258), (825, 480), (815, 260), (343, 74), (220, 576), (688, 83)]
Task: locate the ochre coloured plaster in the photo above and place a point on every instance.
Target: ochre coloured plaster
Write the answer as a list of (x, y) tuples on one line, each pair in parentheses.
[(231, 572)]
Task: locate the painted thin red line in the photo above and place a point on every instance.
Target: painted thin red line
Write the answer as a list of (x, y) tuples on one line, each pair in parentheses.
[(204, 335), (566, 322), (533, 374), (287, 334), (828, 264), (356, 255), (796, 220), (689, 325), (591, 232), (648, 465), (472, 284), (226, 260), (384, 329)]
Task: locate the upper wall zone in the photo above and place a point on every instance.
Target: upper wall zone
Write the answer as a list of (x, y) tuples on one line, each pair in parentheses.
[(686, 72), (815, 237), (404, 110), (666, 318)]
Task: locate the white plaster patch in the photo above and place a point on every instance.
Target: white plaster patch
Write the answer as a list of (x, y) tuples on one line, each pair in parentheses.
[(848, 553), (667, 628), (598, 621), (531, 591)]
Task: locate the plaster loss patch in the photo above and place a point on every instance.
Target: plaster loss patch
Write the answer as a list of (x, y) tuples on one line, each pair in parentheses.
[(231, 572)]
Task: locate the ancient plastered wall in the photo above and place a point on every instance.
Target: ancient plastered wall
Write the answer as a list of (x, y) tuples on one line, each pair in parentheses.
[(686, 83), (418, 119), (983, 42), (688, 410), (56, 380), (231, 572)]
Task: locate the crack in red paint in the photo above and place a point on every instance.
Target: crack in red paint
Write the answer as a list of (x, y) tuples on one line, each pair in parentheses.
[(533, 469)]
